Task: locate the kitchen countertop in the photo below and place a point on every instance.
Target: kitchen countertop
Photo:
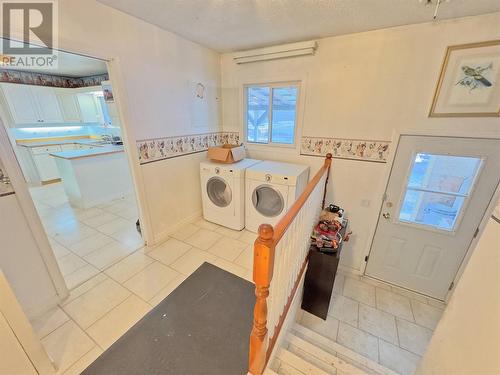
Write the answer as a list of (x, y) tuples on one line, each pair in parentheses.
[(78, 154), (81, 141)]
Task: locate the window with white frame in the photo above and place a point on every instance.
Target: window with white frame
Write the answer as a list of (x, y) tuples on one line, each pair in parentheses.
[(271, 113)]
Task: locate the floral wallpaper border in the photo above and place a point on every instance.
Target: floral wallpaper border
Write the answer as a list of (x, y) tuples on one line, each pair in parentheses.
[(42, 79), (151, 150), (357, 149)]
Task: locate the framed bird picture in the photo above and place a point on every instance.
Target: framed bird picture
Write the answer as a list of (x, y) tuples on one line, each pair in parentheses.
[(469, 83)]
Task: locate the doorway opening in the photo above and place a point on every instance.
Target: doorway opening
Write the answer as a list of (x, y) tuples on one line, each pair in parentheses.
[(64, 127), (439, 191), (437, 195)]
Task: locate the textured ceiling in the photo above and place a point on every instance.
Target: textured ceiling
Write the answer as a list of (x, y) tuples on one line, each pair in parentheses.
[(230, 25), (71, 65)]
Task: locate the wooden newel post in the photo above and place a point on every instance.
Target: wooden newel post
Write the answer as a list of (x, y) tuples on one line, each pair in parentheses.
[(328, 159), (263, 264), (328, 163)]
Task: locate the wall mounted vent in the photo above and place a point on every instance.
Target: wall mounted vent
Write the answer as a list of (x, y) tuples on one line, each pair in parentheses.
[(276, 52)]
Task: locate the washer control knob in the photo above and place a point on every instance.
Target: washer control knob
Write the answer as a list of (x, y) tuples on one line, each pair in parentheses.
[(217, 170), (268, 177)]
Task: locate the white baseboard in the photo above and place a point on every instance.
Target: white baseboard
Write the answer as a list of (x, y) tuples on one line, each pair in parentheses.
[(40, 310), (163, 236), (345, 270)]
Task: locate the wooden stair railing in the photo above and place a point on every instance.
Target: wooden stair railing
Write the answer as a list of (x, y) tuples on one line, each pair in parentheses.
[(269, 240)]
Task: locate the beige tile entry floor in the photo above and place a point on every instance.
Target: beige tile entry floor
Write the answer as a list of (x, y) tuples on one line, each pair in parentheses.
[(388, 325), (85, 242), (104, 307)]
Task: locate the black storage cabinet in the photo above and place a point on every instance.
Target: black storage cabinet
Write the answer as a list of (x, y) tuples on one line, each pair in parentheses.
[(319, 279)]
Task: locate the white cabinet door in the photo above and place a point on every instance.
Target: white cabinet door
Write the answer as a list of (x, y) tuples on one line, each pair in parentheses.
[(83, 147), (21, 103), (89, 108), (69, 147), (47, 104), (69, 105), (45, 164)]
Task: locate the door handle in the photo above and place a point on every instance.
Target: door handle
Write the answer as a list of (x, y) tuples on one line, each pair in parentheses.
[(386, 215)]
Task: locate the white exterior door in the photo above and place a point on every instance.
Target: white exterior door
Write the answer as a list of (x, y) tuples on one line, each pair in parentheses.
[(437, 194)]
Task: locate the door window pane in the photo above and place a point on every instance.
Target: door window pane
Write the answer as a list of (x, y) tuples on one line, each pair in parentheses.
[(258, 114), (444, 173), (438, 210), (437, 189), (284, 110)]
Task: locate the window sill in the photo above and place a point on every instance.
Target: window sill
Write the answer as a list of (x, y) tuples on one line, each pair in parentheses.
[(266, 147), (271, 145)]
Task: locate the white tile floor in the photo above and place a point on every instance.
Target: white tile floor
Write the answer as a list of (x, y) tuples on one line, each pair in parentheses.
[(386, 324), (103, 308), (89, 241)]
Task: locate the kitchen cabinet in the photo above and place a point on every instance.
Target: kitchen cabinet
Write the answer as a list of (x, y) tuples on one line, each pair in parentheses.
[(21, 103), (95, 178), (45, 164), (32, 104), (29, 104), (47, 104), (41, 166), (75, 146), (83, 147), (68, 104), (90, 108), (68, 147)]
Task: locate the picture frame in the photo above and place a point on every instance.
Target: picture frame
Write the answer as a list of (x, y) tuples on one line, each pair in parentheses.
[(469, 82), (107, 91)]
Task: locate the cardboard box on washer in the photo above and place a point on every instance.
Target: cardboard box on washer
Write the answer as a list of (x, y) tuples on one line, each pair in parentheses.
[(227, 153)]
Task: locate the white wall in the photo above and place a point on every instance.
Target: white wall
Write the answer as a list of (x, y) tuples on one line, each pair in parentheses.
[(21, 261), (466, 340), (157, 72), (363, 86)]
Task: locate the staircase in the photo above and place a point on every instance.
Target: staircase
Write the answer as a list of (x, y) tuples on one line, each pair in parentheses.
[(305, 352), (280, 259)]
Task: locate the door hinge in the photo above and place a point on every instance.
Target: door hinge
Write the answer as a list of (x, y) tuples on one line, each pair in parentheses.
[(451, 285), (476, 232), (366, 258)]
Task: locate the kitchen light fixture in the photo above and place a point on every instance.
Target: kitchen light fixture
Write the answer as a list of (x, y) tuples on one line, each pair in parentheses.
[(437, 2), (276, 52)]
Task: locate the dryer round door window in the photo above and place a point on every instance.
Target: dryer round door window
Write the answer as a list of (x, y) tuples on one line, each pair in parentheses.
[(219, 192), (267, 201)]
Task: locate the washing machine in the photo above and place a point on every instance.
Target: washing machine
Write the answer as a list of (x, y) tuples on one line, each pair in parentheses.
[(271, 189), (223, 192)]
